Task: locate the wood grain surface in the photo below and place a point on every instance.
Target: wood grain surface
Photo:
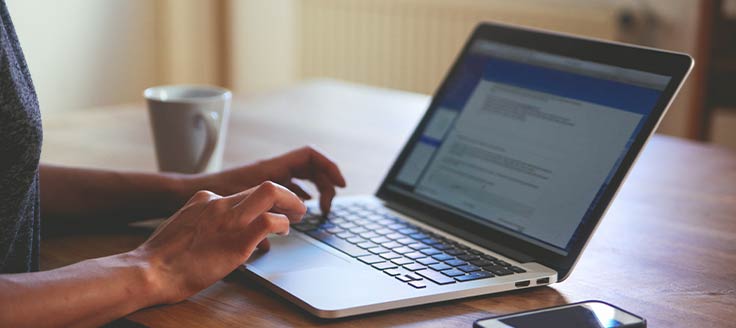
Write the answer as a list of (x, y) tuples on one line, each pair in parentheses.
[(666, 250)]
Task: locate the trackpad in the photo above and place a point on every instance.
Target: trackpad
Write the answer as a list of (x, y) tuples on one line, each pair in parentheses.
[(291, 253)]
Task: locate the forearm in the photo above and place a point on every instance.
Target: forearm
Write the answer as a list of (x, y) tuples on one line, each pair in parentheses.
[(76, 195), (89, 293)]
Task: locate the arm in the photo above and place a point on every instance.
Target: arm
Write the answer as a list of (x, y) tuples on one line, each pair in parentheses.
[(77, 195), (73, 196), (201, 243), (88, 293)]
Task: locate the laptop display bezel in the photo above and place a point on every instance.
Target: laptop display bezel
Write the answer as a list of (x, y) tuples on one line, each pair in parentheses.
[(675, 65)]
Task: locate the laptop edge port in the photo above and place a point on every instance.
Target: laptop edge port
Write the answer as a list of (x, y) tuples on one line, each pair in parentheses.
[(522, 283)]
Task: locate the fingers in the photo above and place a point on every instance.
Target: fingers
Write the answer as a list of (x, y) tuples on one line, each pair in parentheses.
[(326, 192), (295, 187), (323, 164), (202, 196), (261, 227), (316, 162), (270, 196), (264, 245)]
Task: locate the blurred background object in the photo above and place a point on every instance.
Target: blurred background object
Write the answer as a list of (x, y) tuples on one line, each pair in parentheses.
[(91, 53)]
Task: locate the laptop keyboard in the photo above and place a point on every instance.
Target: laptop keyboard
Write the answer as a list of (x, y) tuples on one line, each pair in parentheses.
[(409, 253)]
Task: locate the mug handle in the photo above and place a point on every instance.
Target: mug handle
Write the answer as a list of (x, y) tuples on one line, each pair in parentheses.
[(210, 142)]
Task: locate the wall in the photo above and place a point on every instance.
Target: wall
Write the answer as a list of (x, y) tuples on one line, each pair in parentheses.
[(89, 53), (85, 53), (409, 44), (264, 46), (677, 29), (191, 44)]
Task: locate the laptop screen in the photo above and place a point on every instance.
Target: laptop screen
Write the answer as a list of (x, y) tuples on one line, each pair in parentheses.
[(525, 141)]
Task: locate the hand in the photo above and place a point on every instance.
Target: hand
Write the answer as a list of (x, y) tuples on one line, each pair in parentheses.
[(210, 236), (304, 163)]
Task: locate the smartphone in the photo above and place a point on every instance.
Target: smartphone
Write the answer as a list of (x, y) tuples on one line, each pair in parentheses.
[(586, 314)]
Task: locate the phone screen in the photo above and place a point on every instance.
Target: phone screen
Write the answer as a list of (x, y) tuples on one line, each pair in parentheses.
[(585, 315)]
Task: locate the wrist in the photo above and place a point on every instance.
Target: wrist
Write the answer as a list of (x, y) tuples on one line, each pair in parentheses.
[(181, 187), (149, 277)]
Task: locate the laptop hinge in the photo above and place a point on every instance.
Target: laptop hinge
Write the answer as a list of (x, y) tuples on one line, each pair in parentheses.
[(461, 234)]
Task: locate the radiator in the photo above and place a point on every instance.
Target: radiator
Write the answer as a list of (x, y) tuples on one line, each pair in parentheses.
[(410, 44)]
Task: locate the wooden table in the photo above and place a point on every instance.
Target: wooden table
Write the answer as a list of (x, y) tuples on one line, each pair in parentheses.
[(666, 250)]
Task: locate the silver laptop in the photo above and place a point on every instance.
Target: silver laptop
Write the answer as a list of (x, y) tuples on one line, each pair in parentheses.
[(500, 186)]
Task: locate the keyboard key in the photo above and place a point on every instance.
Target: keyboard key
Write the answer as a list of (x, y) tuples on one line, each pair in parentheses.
[(396, 226), (442, 257), (384, 231), (455, 262), (414, 276), (371, 259), (475, 252), (440, 267), (498, 270), (503, 263), (327, 225), (427, 261), (414, 267), (390, 255), (468, 257), (347, 225), (418, 235), (517, 269), (474, 276), (385, 265), (407, 231), (391, 245), (369, 234), (489, 257), (441, 246), (429, 241), (304, 227), (380, 240), (361, 223), (402, 261), (403, 250), (454, 252), (366, 244), (374, 227), (378, 250), (355, 240), (469, 268), (405, 241), (394, 235), (417, 246), (358, 230), (429, 251), (392, 272), (436, 277), (338, 243), (345, 234), (351, 218), (334, 230), (453, 272), (403, 278), (415, 255), (337, 220), (481, 262), (418, 284)]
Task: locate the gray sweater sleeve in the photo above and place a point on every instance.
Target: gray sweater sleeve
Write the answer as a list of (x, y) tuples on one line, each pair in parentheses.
[(20, 151)]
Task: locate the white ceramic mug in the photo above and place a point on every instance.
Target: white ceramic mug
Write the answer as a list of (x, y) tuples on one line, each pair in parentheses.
[(189, 123)]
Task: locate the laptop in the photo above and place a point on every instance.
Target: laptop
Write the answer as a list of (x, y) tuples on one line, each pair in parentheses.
[(500, 186)]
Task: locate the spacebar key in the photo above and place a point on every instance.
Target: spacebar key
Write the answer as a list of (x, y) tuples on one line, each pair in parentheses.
[(435, 276), (338, 243)]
